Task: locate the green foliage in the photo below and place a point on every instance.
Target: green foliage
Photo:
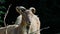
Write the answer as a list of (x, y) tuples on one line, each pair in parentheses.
[(2, 7), (2, 12), (1, 21), (0, 17), (2, 1)]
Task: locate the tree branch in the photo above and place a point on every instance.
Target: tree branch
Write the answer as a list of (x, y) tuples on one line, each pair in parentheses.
[(5, 17)]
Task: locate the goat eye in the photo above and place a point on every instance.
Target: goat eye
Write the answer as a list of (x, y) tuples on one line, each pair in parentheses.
[(23, 10), (32, 9)]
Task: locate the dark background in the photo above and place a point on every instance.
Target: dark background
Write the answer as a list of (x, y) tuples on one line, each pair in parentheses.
[(47, 10)]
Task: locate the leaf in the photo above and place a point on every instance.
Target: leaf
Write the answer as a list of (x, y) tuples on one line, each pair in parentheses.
[(2, 1), (0, 17), (1, 21), (2, 7), (1, 12)]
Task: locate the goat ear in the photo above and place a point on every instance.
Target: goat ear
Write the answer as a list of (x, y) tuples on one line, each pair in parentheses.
[(33, 9)]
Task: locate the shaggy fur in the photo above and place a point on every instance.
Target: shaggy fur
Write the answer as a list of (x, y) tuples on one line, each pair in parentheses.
[(26, 23), (24, 18)]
